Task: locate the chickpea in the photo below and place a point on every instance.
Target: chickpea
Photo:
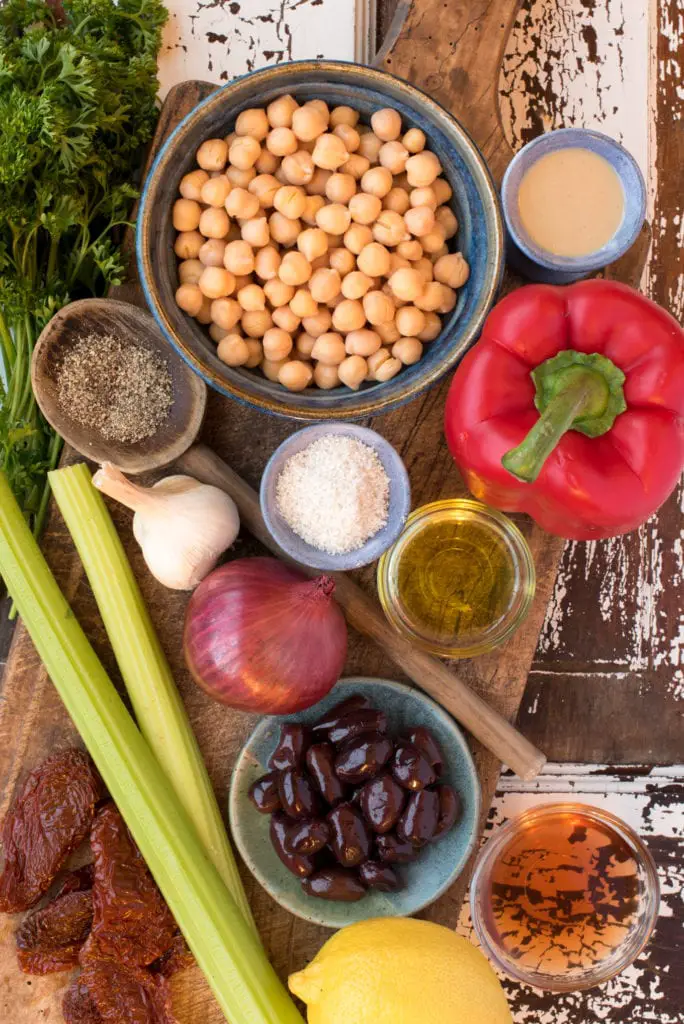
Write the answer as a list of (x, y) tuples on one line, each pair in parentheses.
[(215, 191), (386, 124), (303, 303), (357, 237), (411, 250), (243, 204), (422, 169), (356, 284), (212, 252), (312, 243), (324, 284), (252, 297), (308, 122), (311, 208), (329, 152), (284, 318), (420, 220), (298, 168), (424, 268), (230, 139), (252, 122), (352, 371), (216, 332), (186, 215), (443, 191), (374, 260), (191, 184), (277, 344), (389, 368), (348, 316), (241, 281), (255, 324), (433, 327), (356, 165), (267, 163), (340, 187), (349, 136), (321, 262), (362, 343), (410, 321), (204, 315), (282, 142), (321, 106), (212, 155), (240, 178), (244, 152), (378, 307), (188, 244), (332, 304), (414, 140), (390, 229), (239, 257), (430, 300), (449, 299), (256, 232), (190, 271), (290, 200), (225, 313), (375, 361), (317, 324), (433, 241), (329, 349), (370, 146), (344, 115), (189, 298), (424, 197), (304, 345), (279, 111), (283, 229), (364, 208), (271, 368), (452, 270), (334, 241), (377, 182), (255, 353), (397, 199), (216, 282), (444, 216), (341, 260), (233, 350), (393, 156), (294, 269), (295, 375), (408, 350), (388, 332), (326, 377), (406, 284), (267, 262), (214, 222)]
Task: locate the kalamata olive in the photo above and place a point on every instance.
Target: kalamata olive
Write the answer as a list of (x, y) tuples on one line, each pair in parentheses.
[(419, 820), (450, 809), (308, 836), (298, 863), (356, 723), (382, 801), (264, 793), (349, 840), (379, 876), (332, 717), (362, 758), (334, 884), (427, 744), (393, 850), (290, 750), (320, 760), (411, 768), (297, 796)]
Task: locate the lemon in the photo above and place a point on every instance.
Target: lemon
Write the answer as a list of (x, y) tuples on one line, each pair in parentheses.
[(394, 970)]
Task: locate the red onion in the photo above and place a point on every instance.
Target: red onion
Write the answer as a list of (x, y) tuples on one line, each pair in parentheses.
[(262, 636)]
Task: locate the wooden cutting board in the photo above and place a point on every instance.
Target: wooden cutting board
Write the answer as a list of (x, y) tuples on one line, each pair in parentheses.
[(453, 51)]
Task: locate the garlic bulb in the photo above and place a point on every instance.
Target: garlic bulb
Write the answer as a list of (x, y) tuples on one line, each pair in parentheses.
[(181, 525)]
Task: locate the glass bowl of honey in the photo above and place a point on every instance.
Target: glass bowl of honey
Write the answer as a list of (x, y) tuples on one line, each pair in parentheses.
[(564, 897), (459, 580)]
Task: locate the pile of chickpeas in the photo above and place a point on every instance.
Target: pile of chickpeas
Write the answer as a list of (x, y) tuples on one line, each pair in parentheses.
[(315, 247)]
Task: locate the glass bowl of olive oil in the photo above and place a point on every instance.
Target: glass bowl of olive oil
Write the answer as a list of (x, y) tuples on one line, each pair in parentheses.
[(459, 580)]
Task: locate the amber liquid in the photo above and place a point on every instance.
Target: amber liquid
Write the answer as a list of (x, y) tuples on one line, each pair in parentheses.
[(564, 894)]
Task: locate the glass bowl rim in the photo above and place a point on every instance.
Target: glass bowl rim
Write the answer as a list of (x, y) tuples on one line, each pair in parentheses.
[(633, 945), (522, 556)]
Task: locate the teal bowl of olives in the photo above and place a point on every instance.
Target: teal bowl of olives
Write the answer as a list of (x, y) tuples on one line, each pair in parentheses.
[(365, 805)]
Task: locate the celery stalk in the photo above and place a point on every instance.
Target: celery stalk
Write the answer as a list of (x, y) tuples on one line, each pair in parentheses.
[(226, 948), (158, 707)]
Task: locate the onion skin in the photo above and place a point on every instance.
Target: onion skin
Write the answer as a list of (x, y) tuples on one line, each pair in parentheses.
[(261, 636)]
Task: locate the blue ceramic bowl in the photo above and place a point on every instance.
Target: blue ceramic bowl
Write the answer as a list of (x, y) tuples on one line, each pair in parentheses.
[(292, 543), (438, 865), (541, 265), (475, 203)]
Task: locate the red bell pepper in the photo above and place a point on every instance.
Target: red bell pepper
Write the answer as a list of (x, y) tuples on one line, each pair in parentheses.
[(571, 408)]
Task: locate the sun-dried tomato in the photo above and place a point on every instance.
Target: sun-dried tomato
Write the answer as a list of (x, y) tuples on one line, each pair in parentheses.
[(77, 880), (48, 819), (111, 993), (176, 958), (50, 939), (131, 921)]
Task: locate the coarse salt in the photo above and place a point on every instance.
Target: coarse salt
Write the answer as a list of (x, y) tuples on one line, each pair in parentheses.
[(334, 494)]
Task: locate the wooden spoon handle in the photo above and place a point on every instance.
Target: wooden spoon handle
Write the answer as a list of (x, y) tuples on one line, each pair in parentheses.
[(487, 725)]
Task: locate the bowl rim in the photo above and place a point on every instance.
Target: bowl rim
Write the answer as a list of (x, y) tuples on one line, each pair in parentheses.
[(401, 500), (326, 916), (362, 403)]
